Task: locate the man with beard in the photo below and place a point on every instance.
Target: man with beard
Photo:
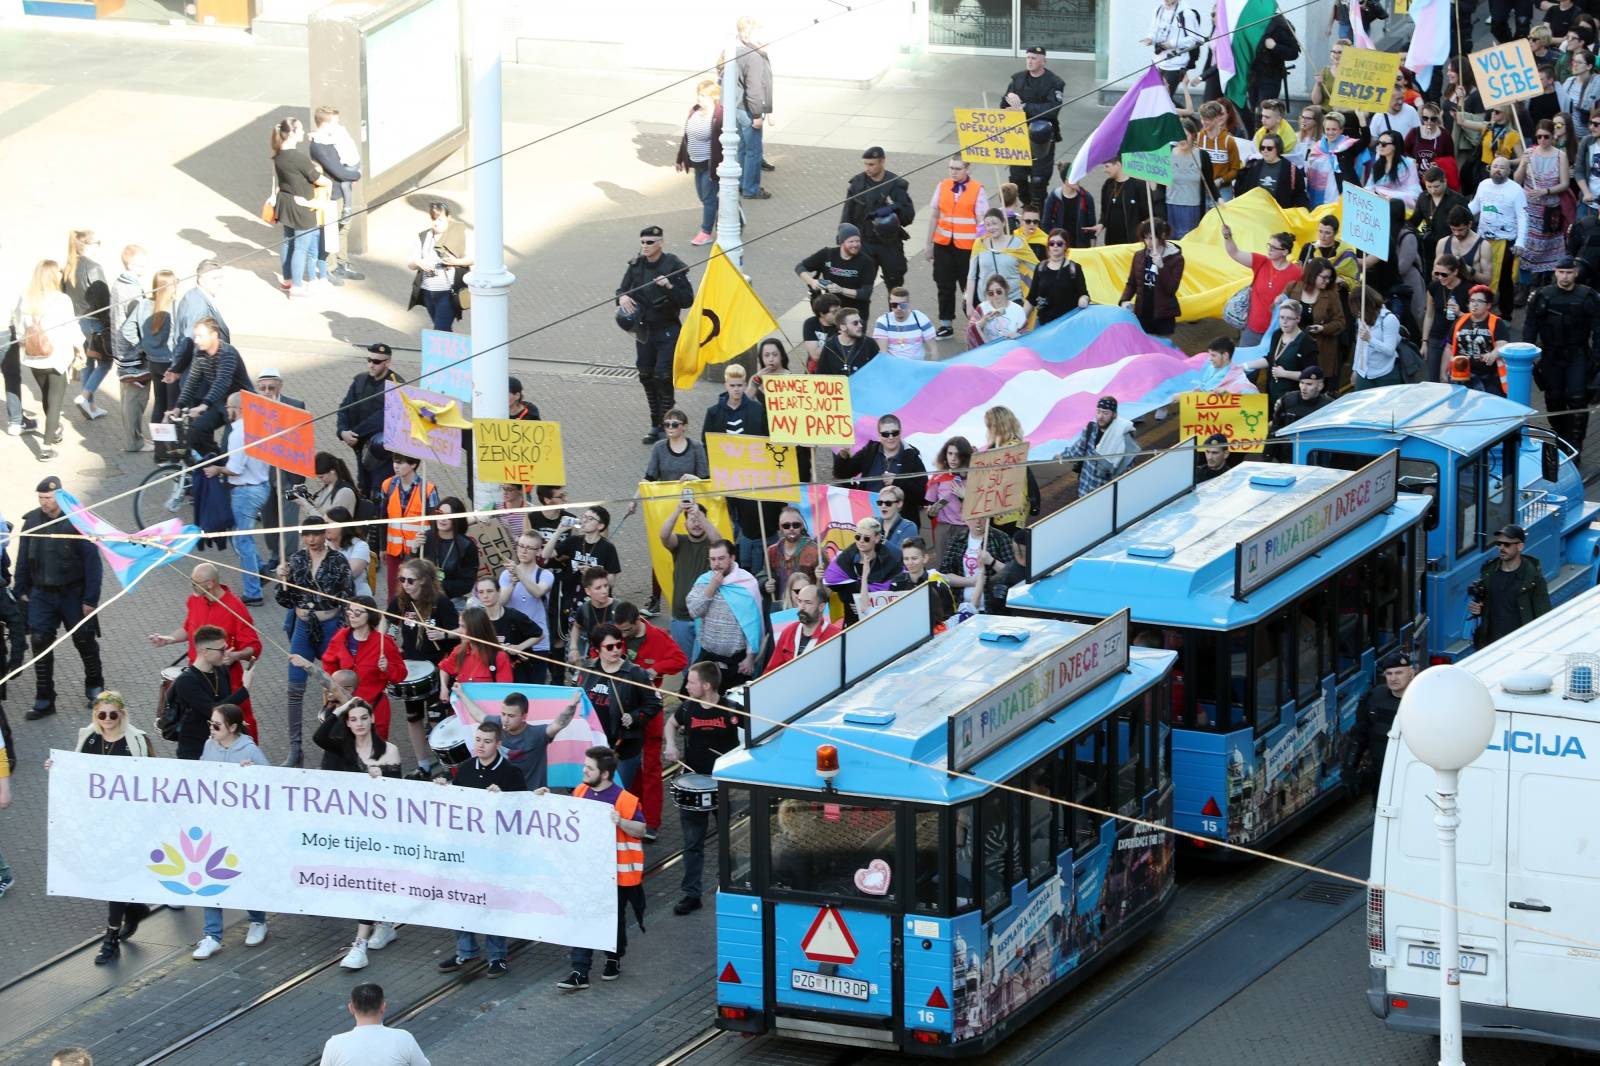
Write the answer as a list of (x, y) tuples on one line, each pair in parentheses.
[(812, 627)]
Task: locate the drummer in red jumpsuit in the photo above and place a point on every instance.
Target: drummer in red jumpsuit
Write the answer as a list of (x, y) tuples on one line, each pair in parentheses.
[(657, 654), (211, 603), (374, 656)]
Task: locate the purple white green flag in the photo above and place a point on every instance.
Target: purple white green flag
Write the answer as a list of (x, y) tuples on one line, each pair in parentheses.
[(1240, 25), (1142, 121)]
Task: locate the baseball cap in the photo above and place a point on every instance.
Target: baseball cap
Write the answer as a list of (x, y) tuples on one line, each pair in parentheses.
[(1510, 532), (872, 153)]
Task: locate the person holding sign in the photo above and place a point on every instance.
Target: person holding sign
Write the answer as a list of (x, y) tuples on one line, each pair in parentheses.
[(1154, 277), (977, 547)]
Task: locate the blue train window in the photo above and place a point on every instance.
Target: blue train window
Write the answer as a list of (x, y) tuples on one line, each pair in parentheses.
[(927, 858), (966, 833), (1271, 682), (1354, 618), (993, 813), (1467, 517), (737, 847), (1043, 817), (1128, 761), (819, 847), (1386, 575), (1088, 788), (1313, 643)]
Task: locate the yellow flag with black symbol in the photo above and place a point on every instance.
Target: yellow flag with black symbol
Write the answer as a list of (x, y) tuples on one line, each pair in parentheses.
[(727, 319), (660, 499)]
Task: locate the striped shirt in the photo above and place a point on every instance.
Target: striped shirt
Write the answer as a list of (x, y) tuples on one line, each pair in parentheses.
[(698, 132), (907, 339)]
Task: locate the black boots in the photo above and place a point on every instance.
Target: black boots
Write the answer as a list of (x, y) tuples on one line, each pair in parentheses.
[(110, 947)]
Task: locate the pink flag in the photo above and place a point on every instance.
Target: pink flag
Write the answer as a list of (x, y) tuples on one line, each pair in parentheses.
[(1358, 26)]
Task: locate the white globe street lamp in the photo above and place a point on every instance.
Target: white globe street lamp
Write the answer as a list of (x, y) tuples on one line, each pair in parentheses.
[(1446, 719)]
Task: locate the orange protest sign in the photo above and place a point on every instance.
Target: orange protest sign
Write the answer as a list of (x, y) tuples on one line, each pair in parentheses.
[(997, 482), (264, 437)]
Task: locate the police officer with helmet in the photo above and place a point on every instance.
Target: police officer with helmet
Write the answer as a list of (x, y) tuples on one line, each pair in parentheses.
[(878, 203), (1564, 321), (1038, 93), (1369, 740), (655, 290)]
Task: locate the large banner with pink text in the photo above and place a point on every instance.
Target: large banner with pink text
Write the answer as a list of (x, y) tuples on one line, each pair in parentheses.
[(342, 845)]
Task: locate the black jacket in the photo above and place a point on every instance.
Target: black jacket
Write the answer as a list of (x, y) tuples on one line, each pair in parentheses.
[(1533, 597), (1564, 323), (1072, 215), (326, 156), (864, 199), (197, 693), (361, 410), (1272, 63), (660, 307), (867, 467), (834, 359), (56, 562), (1055, 292), (334, 738), (502, 772), (456, 560), (628, 691), (1041, 96)]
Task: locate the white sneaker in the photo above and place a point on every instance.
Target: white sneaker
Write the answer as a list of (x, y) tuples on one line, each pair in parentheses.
[(14, 429), (207, 947), (257, 933), (356, 957), (382, 937), (98, 412), (83, 405)]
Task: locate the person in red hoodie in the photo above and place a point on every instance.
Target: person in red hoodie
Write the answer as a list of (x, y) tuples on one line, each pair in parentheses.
[(655, 652), (374, 656), (798, 637), (211, 603), (479, 656)]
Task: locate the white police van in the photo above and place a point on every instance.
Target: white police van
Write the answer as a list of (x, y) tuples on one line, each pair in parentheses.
[(1528, 851)]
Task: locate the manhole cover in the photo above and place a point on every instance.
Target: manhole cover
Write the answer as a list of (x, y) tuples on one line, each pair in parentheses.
[(1332, 893), (612, 373)]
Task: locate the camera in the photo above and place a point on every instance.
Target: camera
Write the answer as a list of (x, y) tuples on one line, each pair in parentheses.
[(1477, 591), (296, 492)]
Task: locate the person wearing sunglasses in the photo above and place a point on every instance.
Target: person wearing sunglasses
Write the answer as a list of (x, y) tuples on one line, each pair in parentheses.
[(109, 732), (868, 565), (1274, 173), (905, 332), (360, 416), (794, 553), (202, 685), (889, 460), (891, 498), (427, 631), (1058, 286), (441, 266), (1430, 146), (651, 298), (1393, 176), (229, 743), (624, 699), (1545, 176)]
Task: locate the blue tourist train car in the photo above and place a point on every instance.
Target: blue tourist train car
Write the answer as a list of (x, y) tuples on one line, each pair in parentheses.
[(896, 887), (1280, 586), (1484, 468)]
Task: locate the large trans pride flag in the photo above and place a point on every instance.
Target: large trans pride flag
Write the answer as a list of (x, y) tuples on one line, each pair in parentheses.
[(545, 704), (130, 556), (1051, 378)]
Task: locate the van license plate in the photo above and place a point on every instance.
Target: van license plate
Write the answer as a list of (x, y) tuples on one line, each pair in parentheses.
[(1471, 961), (848, 987)]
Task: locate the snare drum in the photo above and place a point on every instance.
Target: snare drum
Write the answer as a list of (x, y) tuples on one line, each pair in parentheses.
[(417, 694), (451, 742), (695, 792)]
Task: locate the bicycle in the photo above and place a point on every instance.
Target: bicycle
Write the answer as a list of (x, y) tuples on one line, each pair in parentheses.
[(160, 495)]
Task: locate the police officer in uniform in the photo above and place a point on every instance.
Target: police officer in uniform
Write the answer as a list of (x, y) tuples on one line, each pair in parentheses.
[(58, 582), (1564, 321), (1293, 406), (878, 204), (1038, 93), (655, 290), (1369, 741)]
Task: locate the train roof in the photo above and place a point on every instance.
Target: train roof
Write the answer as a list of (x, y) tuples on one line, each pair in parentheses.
[(1460, 419), (902, 711), (1177, 565), (1532, 669)]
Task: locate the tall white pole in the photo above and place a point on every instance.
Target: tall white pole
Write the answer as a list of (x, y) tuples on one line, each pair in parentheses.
[(489, 281), (1446, 822), (729, 218)]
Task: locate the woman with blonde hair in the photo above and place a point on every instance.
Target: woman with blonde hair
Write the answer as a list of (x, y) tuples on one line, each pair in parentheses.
[(156, 338), (84, 282), (700, 152), (48, 334), (1005, 430), (110, 733)]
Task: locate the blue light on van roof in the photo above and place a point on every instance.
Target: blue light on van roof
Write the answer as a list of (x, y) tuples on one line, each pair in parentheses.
[(1272, 481), (1150, 551)]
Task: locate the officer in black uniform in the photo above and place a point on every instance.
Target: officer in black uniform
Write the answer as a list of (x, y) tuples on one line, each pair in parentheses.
[(58, 582), (1293, 406), (878, 203), (1564, 321), (1374, 717), (1037, 92), (655, 290)]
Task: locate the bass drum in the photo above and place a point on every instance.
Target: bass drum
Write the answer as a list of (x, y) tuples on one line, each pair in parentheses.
[(419, 692), (451, 742)]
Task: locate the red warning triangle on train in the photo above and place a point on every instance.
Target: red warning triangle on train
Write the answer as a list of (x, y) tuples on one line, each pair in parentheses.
[(829, 939)]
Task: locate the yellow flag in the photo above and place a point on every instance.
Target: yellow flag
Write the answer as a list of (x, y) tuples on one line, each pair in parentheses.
[(661, 499), (727, 318), (421, 416)]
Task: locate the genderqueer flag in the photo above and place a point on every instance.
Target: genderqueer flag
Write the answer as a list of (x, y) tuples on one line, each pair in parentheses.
[(1240, 26), (727, 319), (1142, 121)]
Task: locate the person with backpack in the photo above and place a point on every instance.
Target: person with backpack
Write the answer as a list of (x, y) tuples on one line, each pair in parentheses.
[(46, 328), (1269, 76), (1175, 35), (84, 281), (199, 689), (133, 375)]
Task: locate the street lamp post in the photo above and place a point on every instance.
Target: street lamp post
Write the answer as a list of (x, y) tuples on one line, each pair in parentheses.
[(1446, 719), (729, 219), (489, 281)]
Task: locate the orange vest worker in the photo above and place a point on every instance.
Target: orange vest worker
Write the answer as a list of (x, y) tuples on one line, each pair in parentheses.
[(630, 849), (958, 215), (398, 503)]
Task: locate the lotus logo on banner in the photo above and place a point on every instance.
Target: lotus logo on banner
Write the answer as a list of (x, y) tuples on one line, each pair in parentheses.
[(194, 868)]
